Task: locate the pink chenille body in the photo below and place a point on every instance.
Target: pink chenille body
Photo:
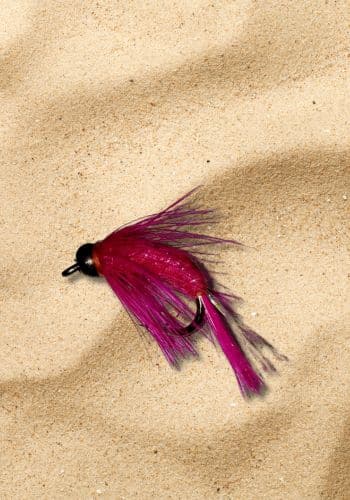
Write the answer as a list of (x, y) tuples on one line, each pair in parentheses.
[(174, 265)]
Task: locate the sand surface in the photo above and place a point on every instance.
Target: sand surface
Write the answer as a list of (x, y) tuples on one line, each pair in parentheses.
[(109, 111)]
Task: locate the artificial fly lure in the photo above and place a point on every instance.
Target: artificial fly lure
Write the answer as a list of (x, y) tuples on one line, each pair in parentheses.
[(156, 269)]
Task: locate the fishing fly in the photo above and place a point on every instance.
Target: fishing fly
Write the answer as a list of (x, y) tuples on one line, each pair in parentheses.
[(158, 271)]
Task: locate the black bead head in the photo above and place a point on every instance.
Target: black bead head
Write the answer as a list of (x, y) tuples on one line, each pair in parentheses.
[(84, 262)]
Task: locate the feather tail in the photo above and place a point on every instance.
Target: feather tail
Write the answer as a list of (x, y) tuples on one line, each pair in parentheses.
[(248, 379)]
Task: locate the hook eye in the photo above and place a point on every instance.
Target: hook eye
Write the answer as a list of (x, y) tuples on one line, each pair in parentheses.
[(71, 269)]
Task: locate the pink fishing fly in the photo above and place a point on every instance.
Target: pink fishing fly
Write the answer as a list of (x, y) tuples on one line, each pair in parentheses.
[(157, 270)]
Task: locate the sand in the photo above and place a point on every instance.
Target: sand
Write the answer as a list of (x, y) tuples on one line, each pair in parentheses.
[(110, 111)]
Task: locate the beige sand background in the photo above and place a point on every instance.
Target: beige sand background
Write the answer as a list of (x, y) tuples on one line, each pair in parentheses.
[(110, 110)]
